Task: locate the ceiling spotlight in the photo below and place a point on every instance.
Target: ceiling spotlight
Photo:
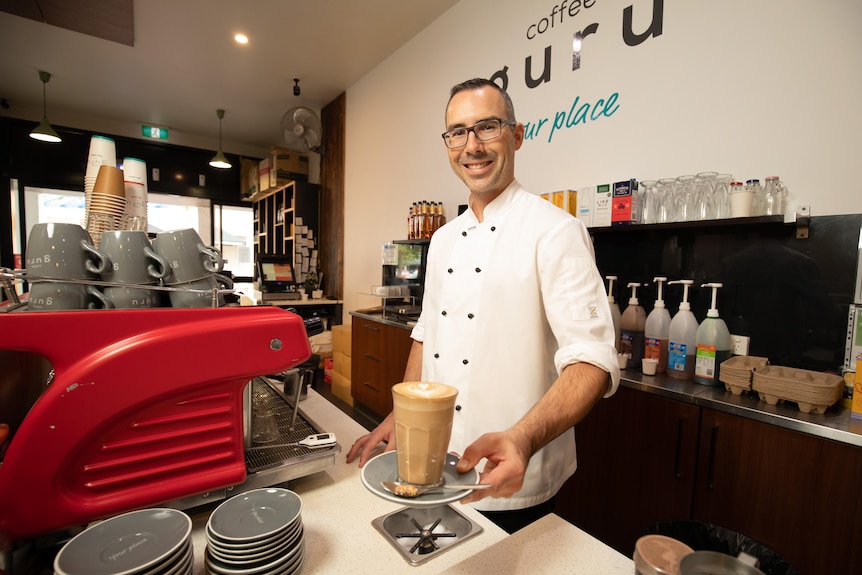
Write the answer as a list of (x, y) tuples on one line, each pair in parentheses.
[(241, 39), (220, 160), (296, 86), (44, 132)]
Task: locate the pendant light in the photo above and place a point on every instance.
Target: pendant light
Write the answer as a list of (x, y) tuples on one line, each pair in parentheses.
[(44, 132), (220, 160)]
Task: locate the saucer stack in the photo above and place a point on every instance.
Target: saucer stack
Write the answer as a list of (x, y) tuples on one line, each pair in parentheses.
[(144, 542), (811, 390), (257, 532), (735, 373)]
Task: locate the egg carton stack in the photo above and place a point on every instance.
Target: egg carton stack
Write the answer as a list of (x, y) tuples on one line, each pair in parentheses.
[(735, 373), (810, 390)]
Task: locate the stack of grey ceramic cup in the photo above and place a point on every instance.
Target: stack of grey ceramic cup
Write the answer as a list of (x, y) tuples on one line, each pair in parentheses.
[(127, 271), (60, 259), (192, 269)]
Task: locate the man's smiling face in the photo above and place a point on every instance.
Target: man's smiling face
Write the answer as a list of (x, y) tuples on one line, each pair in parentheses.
[(486, 167)]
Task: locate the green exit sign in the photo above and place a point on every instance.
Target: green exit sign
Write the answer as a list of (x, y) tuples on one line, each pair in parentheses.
[(154, 133)]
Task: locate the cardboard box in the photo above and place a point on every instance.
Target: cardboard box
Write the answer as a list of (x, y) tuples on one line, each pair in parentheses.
[(286, 165), (341, 339), (625, 209), (586, 197), (602, 205), (341, 363), (249, 178), (263, 169), (341, 388)]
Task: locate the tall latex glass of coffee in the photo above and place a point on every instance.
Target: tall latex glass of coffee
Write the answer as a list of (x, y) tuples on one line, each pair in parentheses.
[(423, 425)]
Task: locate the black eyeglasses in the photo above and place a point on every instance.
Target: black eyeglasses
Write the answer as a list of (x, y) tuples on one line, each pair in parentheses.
[(484, 131)]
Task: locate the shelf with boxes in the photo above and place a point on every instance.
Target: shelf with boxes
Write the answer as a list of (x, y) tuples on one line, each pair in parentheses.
[(285, 223)]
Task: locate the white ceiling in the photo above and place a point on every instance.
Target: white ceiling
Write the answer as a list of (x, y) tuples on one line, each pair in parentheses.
[(185, 64)]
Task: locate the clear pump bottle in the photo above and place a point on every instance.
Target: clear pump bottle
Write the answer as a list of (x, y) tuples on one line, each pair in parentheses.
[(682, 340), (657, 330), (632, 324), (615, 310), (714, 344)]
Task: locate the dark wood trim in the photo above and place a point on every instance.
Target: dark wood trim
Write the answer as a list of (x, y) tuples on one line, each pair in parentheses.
[(331, 230)]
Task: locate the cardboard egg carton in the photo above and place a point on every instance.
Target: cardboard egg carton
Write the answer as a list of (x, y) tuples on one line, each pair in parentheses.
[(735, 373), (810, 390)]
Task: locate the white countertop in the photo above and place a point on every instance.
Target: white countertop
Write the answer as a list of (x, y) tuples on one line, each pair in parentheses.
[(337, 511)]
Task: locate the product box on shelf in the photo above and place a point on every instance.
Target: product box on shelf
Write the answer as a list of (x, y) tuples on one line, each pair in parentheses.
[(263, 170), (586, 197), (856, 409), (602, 205), (566, 200), (249, 179), (626, 209)]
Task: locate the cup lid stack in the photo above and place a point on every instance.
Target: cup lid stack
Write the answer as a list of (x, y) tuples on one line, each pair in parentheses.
[(811, 390), (735, 373), (258, 532), (148, 541)]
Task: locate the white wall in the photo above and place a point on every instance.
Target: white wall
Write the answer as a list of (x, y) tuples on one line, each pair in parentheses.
[(752, 88)]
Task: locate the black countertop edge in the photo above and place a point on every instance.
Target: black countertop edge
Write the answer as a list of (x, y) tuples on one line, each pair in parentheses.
[(835, 424)]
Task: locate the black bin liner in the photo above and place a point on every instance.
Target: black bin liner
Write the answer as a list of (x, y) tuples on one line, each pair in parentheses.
[(708, 537)]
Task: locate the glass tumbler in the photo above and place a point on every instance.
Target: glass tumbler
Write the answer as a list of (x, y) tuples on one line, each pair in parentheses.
[(704, 202), (665, 201), (685, 201), (649, 200), (721, 194)]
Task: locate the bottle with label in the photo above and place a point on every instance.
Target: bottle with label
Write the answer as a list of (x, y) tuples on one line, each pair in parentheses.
[(632, 324), (713, 344), (615, 310), (682, 340), (657, 330)]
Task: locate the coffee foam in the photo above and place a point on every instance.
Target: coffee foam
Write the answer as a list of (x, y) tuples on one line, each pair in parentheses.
[(425, 390)]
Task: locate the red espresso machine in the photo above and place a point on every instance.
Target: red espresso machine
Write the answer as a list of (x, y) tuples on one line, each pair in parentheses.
[(143, 407)]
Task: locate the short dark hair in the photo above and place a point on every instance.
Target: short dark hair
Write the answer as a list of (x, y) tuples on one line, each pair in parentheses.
[(477, 83)]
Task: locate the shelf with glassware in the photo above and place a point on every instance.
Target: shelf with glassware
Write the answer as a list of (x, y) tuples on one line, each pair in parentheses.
[(285, 223)]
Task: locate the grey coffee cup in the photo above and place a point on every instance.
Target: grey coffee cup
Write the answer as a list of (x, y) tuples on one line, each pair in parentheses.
[(62, 251), (58, 296), (188, 258), (132, 259), (129, 297), (202, 294)]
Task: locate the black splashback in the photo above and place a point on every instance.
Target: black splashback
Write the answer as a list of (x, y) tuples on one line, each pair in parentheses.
[(790, 295)]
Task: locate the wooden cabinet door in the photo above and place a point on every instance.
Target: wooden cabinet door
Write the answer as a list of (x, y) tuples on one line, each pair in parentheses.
[(636, 464), (794, 493), (379, 357)]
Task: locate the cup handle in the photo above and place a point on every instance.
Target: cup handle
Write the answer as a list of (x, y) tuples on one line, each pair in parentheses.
[(215, 263), (96, 293), (224, 281), (102, 261), (160, 269)]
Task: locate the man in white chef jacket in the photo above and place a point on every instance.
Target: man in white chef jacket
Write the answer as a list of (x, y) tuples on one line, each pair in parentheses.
[(514, 315)]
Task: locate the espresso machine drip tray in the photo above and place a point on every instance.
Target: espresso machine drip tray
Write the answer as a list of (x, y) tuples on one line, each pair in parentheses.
[(277, 454)]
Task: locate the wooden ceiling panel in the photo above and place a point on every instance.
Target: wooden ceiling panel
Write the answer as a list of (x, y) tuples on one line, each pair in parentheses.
[(112, 20)]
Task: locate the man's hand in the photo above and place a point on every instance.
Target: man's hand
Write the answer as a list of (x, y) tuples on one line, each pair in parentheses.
[(365, 445), (507, 453)]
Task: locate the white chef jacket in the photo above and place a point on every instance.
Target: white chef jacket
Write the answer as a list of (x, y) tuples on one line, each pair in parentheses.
[(508, 303)]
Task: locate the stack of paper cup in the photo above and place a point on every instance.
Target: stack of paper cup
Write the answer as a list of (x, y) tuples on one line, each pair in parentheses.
[(135, 176), (103, 152), (107, 202)]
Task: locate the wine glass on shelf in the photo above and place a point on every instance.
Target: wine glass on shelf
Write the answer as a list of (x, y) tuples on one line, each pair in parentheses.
[(722, 195)]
